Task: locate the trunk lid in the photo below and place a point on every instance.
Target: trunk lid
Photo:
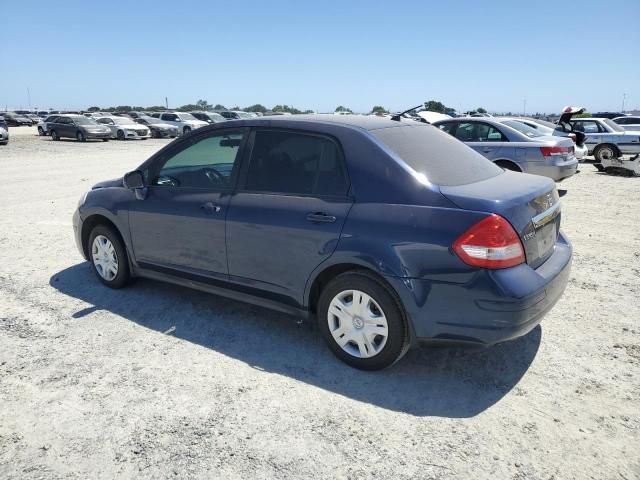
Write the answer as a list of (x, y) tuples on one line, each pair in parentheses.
[(529, 202)]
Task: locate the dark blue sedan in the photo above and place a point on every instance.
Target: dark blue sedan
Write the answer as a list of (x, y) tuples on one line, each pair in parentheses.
[(389, 233)]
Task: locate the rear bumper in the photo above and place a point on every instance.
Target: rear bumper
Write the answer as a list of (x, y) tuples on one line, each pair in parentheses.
[(558, 171), (490, 306)]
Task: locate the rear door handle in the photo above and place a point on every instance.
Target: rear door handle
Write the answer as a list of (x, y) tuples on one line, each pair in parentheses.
[(320, 217), (209, 207)]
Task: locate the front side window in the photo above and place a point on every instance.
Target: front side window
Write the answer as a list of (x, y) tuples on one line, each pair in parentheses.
[(171, 117), (206, 164), (295, 163)]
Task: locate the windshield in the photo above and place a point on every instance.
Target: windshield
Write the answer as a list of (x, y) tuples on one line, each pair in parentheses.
[(441, 158), (613, 125), (186, 116), (83, 121), (244, 115), (522, 128), (122, 121)]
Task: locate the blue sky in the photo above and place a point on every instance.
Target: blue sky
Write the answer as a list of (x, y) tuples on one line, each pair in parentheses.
[(318, 55)]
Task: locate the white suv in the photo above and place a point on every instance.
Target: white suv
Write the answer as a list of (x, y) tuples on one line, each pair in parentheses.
[(184, 121)]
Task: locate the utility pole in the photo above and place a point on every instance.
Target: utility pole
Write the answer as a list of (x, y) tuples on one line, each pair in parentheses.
[(624, 97), (166, 103), (524, 108), (29, 96)]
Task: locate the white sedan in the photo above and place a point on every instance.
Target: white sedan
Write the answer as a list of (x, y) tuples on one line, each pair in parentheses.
[(124, 128)]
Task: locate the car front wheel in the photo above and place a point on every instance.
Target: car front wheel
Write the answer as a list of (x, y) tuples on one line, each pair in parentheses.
[(54, 136), (362, 321), (108, 257), (80, 136)]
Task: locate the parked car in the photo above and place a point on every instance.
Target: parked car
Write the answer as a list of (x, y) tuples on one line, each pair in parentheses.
[(237, 114), (4, 131), (43, 125), (605, 139), (79, 127), (33, 117), (548, 128), (388, 233), (14, 119), (124, 128), (209, 117), (184, 121), (158, 128), (515, 146), (609, 115), (628, 122)]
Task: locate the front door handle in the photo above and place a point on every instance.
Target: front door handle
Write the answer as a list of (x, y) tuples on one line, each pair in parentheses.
[(210, 207), (320, 217)]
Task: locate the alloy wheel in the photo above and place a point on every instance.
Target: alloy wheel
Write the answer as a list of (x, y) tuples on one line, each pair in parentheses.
[(357, 323)]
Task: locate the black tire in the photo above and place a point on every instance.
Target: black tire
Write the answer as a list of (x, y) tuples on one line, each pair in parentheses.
[(80, 136), (605, 152), (186, 130), (120, 135), (41, 132), (105, 139), (397, 342), (507, 165), (123, 277), (54, 136)]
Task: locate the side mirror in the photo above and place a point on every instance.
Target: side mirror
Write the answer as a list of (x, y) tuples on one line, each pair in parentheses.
[(133, 180)]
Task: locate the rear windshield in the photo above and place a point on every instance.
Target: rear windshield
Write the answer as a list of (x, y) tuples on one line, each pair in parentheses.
[(522, 128), (443, 159)]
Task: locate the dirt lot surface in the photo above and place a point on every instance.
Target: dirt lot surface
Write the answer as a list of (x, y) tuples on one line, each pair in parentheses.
[(156, 381)]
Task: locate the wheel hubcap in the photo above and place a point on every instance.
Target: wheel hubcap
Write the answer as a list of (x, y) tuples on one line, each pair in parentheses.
[(104, 257), (606, 154), (357, 323)]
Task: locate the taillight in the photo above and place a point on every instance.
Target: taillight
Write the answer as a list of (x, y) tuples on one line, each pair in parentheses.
[(549, 151), (490, 243)]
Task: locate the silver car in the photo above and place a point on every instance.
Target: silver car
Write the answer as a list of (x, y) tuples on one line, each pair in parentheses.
[(515, 146), (605, 139), (548, 128), (628, 122)]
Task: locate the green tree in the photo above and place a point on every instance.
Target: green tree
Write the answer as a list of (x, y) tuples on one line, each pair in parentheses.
[(379, 110), (435, 106), (341, 108), (93, 109), (583, 115), (203, 105), (256, 108), (286, 109), (308, 111), (122, 108), (481, 110), (219, 107), (155, 108), (188, 107)]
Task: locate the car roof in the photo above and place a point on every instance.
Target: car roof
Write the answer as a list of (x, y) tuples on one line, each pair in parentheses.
[(360, 121)]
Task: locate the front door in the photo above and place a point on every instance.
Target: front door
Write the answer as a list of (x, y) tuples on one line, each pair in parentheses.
[(180, 225), (288, 214)]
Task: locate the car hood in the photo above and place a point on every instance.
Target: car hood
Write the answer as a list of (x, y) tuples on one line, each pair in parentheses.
[(116, 182)]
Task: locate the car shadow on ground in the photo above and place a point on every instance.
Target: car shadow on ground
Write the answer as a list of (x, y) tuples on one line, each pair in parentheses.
[(444, 382)]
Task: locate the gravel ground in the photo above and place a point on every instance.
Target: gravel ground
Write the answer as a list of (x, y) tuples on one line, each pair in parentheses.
[(159, 381)]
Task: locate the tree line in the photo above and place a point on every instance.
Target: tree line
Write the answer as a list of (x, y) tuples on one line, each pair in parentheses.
[(431, 105)]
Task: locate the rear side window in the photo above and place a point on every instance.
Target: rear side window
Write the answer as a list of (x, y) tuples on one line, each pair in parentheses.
[(448, 127), (438, 156), (294, 163)]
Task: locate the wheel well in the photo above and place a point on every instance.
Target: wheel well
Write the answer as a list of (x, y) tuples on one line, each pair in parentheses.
[(92, 222), (612, 145), (326, 276), (508, 164)]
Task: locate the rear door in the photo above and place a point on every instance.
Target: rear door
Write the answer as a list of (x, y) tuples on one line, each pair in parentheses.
[(288, 213), (484, 138), (180, 226)]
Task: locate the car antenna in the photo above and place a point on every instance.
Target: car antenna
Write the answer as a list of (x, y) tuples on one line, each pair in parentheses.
[(398, 116)]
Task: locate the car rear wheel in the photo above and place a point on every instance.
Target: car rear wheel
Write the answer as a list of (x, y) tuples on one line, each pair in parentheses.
[(105, 139), (362, 321), (54, 136), (605, 152), (80, 136), (108, 257), (120, 135)]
